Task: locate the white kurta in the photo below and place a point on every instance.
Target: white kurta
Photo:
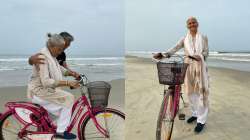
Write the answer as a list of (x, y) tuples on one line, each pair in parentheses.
[(43, 84), (198, 98), (43, 90)]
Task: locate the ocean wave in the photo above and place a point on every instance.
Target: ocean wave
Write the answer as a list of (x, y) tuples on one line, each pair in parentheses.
[(70, 59), (113, 64), (230, 54), (231, 59), (21, 67), (140, 52), (96, 58), (13, 59), (211, 53), (7, 69)]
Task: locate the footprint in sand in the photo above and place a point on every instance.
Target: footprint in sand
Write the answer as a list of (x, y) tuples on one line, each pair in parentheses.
[(138, 131)]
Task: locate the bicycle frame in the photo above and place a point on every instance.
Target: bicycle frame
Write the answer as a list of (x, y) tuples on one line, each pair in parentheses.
[(175, 91), (81, 103), (46, 125), (172, 95)]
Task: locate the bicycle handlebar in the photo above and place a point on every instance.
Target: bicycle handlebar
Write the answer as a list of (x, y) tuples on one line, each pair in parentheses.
[(83, 80), (189, 56), (176, 55)]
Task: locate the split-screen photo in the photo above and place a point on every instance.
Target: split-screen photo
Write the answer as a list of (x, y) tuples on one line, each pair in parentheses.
[(124, 70)]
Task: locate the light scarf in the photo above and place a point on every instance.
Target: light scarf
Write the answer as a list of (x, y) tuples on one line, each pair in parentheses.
[(54, 67), (196, 48)]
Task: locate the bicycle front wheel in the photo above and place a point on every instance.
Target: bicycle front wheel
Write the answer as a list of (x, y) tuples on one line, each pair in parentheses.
[(165, 120), (111, 120)]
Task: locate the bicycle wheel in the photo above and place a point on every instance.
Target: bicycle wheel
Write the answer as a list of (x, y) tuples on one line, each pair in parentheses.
[(165, 120), (10, 128), (110, 119)]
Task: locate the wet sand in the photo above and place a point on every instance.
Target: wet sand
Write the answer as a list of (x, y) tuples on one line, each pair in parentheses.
[(229, 104)]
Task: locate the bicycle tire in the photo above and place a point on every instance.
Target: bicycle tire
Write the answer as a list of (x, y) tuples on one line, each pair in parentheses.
[(87, 120), (166, 117), (9, 120), (4, 123)]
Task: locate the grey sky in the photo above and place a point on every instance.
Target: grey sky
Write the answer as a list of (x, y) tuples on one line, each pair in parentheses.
[(97, 25), (155, 25)]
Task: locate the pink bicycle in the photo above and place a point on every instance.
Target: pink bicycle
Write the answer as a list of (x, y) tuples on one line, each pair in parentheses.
[(22, 120), (171, 72)]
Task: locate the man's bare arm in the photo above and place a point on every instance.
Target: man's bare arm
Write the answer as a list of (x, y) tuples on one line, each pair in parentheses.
[(35, 59), (65, 65)]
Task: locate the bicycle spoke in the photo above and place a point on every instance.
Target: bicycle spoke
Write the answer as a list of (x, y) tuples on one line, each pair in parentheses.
[(91, 133), (113, 122), (165, 119), (10, 131), (11, 127), (109, 121), (95, 137)]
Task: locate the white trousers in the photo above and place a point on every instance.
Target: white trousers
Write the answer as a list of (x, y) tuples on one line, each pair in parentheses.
[(63, 113), (197, 107)]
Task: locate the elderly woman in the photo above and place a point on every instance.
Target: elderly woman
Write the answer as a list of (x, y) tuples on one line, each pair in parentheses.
[(61, 58), (46, 80), (196, 81)]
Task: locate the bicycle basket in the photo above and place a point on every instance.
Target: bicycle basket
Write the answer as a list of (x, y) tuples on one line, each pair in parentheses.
[(171, 73), (98, 93)]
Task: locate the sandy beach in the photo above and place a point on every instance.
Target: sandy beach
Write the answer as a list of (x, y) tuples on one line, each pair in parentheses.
[(229, 104)]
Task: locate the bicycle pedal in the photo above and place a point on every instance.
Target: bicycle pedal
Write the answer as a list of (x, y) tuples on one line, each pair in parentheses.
[(182, 116)]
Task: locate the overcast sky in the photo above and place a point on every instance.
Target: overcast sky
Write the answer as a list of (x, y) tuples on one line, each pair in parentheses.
[(97, 25), (158, 24)]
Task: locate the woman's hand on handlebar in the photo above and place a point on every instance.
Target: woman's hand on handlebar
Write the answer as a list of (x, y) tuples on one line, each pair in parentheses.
[(74, 74), (73, 84), (160, 56)]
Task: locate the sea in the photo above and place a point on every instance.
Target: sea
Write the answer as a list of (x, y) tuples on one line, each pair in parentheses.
[(15, 70), (231, 60)]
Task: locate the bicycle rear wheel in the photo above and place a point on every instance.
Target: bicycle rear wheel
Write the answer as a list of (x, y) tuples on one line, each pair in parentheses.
[(165, 120), (10, 128), (110, 119)]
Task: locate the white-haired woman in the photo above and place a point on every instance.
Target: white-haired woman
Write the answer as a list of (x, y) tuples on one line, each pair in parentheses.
[(196, 83), (45, 82)]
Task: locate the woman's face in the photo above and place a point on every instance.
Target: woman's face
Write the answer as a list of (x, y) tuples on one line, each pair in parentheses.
[(192, 24)]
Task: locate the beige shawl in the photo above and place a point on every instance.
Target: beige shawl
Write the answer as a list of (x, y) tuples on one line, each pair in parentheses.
[(46, 87), (54, 67), (196, 48)]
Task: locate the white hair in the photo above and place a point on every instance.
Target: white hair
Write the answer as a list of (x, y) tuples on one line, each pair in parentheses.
[(55, 40), (190, 18)]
